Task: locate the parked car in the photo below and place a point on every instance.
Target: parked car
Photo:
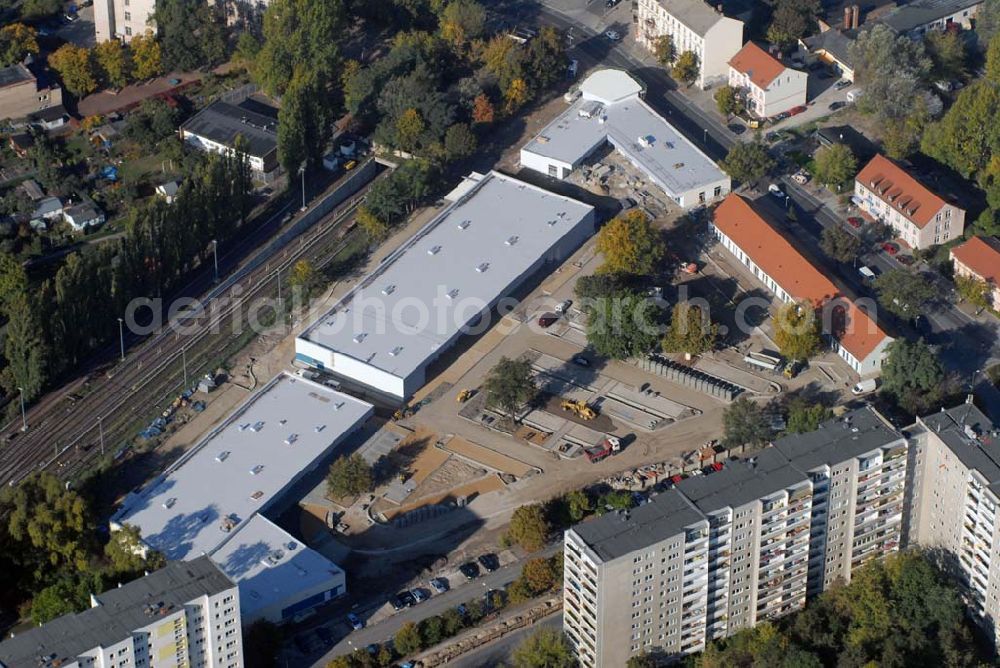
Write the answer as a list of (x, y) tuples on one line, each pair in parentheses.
[(440, 585), (612, 3), (469, 570), (406, 599), (842, 84), (865, 386), (613, 35), (795, 111), (580, 360), (737, 128), (562, 307), (856, 222), (547, 320), (890, 248), (775, 190), (905, 260), (834, 106), (419, 595), (572, 68), (355, 621), (868, 274), (396, 602), (489, 562)]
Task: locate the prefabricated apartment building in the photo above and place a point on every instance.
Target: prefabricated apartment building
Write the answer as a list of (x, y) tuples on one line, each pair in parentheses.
[(496, 233)]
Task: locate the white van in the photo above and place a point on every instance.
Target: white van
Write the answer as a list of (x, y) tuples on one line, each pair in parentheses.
[(865, 386), (867, 274)]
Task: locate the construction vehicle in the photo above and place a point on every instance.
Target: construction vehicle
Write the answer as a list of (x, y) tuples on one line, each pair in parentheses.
[(403, 412), (579, 408), (464, 396), (605, 448)]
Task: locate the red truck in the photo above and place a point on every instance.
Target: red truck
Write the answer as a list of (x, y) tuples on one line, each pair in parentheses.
[(606, 448)]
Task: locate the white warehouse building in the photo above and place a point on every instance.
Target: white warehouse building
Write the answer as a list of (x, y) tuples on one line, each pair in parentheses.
[(496, 233), (611, 110), (211, 501)]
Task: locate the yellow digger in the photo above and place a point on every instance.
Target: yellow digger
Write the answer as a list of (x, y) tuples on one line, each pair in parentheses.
[(464, 396), (578, 408)]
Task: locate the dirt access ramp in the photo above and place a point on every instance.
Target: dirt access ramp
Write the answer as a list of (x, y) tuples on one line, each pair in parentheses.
[(488, 457)]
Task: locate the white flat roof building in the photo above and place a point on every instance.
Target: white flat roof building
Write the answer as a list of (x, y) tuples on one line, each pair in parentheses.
[(207, 498), (611, 110), (497, 232)]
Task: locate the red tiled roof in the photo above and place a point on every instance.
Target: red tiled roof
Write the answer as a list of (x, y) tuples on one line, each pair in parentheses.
[(857, 332), (758, 64), (908, 196), (982, 256)]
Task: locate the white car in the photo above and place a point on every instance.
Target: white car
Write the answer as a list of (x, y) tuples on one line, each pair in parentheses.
[(562, 307), (776, 191), (613, 35)]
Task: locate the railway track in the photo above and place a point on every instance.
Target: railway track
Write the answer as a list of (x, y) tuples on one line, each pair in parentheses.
[(67, 437)]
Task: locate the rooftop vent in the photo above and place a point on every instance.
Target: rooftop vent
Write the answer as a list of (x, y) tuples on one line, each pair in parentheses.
[(256, 496), (340, 404), (511, 240), (291, 439), (257, 426), (551, 223), (244, 426), (395, 351), (452, 293), (257, 469), (319, 428), (482, 266), (464, 224), (169, 503), (274, 558), (221, 457), (388, 290), (433, 250), (358, 338)]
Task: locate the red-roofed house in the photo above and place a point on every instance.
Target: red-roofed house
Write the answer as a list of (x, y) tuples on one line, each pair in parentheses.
[(769, 88), (791, 276), (920, 217), (979, 258)]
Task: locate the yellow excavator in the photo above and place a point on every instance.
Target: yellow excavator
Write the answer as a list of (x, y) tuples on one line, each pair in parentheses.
[(578, 408), (464, 396)]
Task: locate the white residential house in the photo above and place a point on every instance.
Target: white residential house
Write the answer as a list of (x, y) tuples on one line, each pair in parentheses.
[(82, 216), (694, 26), (768, 85), (168, 191), (921, 218)]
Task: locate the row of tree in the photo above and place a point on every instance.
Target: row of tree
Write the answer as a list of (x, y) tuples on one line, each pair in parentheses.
[(109, 64), (53, 327), (51, 556)]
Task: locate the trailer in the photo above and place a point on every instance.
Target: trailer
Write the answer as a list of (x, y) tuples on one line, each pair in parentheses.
[(763, 360), (606, 448)]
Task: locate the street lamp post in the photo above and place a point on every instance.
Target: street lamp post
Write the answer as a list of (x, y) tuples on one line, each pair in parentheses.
[(215, 258), (24, 416), (121, 336)]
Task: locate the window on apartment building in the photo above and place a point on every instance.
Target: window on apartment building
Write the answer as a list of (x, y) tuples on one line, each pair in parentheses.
[(128, 16), (128, 31)]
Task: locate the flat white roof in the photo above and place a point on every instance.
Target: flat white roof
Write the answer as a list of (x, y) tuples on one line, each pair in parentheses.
[(398, 317), (240, 466), (270, 566), (634, 129), (610, 86)]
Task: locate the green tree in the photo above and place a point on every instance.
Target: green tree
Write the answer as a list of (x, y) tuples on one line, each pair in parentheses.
[(304, 278), (70, 593), (977, 292), (839, 244), (727, 101), (35, 9), (663, 49), (630, 245), (25, 348), (459, 142), (622, 326), (299, 33), (904, 292), (545, 648), (147, 58), (993, 61), (946, 50), (748, 162), (745, 424), (578, 504), (16, 41), (431, 631), (75, 69), (349, 476), (509, 386), (913, 376), (462, 21), (407, 639), (686, 68), (127, 555), (891, 69), (529, 528), (641, 661), (804, 417), (691, 331), (836, 166), (452, 622), (988, 21), (112, 60), (792, 19), (304, 121), (797, 330), (375, 227), (191, 34)]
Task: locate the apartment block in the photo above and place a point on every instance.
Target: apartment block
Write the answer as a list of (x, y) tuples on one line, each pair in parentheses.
[(921, 218), (693, 26), (124, 19), (768, 87), (22, 94), (955, 492), (186, 615), (723, 552)]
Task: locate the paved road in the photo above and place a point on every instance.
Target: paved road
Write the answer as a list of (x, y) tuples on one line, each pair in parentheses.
[(437, 604), (498, 653)]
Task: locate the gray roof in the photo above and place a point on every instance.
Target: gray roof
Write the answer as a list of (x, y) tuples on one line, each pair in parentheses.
[(122, 611), (222, 123), (82, 212), (670, 160), (15, 74), (695, 15), (922, 12), (835, 42), (455, 266), (978, 447), (283, 429), (784, 465)]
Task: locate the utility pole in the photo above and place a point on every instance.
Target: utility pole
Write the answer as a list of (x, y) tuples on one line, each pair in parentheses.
[(184, 363), (278, 272), (302, 171)]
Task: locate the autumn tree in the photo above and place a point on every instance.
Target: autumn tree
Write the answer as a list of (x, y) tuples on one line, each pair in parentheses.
[(748, 162), (113, 61), (376, 228), (691, 331), (482, 109), (976, 291), (146, 56), (407, 639), (745, 424), (630, 245), (75, 69), (509, 386), (728, 101), (686, 68), (545, 648), (797, 330), (515, 96), (349, 476), (529, 527), (462, 21), (16, 41), (304, 278), (839, 244), (836, 166), (663, 49)]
